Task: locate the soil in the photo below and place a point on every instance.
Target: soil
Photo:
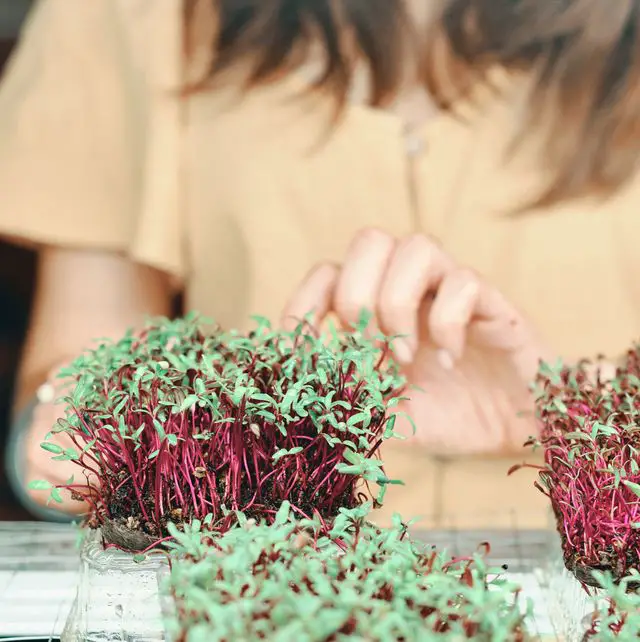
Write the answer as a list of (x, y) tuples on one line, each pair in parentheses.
[(129, 531), (126, 535), (610, 562), (584, 574)]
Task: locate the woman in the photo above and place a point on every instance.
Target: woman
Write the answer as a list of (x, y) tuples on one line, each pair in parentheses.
[(135, 189)]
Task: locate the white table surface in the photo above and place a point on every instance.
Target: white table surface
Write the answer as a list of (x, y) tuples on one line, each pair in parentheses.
[(38, 572)]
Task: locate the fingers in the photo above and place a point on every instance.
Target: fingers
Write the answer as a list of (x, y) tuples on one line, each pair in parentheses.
[(455, 305), (413, 288), (313, 298), (468, 310), (364, 269), (416, 269)]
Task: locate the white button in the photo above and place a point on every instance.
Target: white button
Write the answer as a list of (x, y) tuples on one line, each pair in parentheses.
[(415, 145)]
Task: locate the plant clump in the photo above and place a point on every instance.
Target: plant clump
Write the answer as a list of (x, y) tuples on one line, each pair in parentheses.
[(590, 432), (292, 580), (619, 619), (174, 423)]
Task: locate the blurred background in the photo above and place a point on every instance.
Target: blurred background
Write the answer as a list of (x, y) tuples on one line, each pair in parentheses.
[(16, 281)]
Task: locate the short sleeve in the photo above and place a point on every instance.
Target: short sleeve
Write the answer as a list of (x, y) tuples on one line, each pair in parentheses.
[(72, 152)]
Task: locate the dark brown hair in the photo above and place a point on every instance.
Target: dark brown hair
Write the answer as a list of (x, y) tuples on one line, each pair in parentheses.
[(276, 36), (585, 59)]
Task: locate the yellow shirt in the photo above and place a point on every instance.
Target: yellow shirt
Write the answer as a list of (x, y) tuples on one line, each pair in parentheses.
[(238, 198)]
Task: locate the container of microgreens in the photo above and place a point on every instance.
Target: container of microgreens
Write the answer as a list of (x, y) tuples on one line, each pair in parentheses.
[(608, 613), (590, 436), (177, 423), (117, 595), (294, 580), (571, 606)]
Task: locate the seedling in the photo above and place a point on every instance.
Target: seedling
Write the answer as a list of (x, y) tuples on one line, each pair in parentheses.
[(293, 581), (620, 620), (175, 423), (590, 432)]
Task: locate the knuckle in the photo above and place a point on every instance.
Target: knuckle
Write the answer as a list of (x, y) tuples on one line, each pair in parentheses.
[(370, 235), (394, 308), (426, 251), (347, 308), (419, 245), (465, 275), (322, 269)]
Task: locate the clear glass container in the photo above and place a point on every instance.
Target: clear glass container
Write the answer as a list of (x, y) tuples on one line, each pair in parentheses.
[(118, 599), (571, 608)]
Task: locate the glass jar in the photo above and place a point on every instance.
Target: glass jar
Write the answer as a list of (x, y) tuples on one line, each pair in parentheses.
[(118, 598), (571, 608)]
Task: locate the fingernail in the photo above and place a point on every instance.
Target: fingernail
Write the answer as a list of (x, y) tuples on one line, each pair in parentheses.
[(445, 359), (403, 350)]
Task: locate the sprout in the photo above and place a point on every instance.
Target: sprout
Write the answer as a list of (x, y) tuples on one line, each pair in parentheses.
[(174, 420), (590, 432), (294, 581)]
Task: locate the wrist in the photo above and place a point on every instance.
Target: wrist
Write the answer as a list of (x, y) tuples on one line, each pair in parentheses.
[(17, 467)]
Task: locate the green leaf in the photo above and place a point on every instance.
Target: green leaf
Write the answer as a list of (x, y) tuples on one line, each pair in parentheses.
[(386, 481), (56, 496), (172, 439), (189, 402), (347, 469), (159, 428), (578, 436), (634, 488), (389, 426), (359, 417), (283, 452), (364, 319), (409, 418), (560, 405), (52, 448), (282, 516), (351, 456), (39, 484), (154, 454)]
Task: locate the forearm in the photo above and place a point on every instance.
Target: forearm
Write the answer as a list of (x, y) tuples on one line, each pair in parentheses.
[(16, 463)]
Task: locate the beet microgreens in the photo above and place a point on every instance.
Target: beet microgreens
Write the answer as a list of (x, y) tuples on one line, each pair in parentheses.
[(174, 423), (590, 432), (292, 581), (621, 618)]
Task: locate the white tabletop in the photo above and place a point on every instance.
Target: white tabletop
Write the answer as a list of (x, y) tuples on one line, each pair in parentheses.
[(38, 576), (38, 572)]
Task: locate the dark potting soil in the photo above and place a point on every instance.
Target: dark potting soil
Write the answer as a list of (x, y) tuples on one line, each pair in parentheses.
[(127, 528), (612, 563)]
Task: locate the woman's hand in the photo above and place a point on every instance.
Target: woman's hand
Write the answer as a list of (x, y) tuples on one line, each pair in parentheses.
[(80, 295), (38, 462), (464, 345)]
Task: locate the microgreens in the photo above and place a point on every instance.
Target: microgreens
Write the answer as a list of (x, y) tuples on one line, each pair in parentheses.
[(175, 423), (292, 580), (621, 618), (590, 432)]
